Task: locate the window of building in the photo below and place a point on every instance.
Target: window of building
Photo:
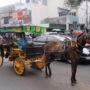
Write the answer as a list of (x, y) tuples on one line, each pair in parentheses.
[(27, 18), (36, 1), (62, 14), (6, 20), (27, 1), (44, 2), (74, 13)]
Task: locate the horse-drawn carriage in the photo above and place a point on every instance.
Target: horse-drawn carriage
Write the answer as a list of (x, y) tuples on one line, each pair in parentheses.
[(30, 54), (39, 57)]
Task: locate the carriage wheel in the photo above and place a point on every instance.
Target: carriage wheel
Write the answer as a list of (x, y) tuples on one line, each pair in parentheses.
[(41, 64), (19, 66), (1, 62)]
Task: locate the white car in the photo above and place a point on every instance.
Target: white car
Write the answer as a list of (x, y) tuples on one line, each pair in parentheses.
[(86, 52)]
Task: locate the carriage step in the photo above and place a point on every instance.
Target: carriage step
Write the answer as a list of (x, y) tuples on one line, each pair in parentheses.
[(36, 61), (31, 62)]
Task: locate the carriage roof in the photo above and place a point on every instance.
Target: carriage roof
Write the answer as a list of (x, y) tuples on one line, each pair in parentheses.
[(20, 29)]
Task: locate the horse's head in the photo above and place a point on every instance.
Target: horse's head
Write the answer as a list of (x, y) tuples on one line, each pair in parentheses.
[(81, 39)]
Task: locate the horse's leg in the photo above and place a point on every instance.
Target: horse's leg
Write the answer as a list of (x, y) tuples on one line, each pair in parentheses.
[(73, 69), (48, 70)]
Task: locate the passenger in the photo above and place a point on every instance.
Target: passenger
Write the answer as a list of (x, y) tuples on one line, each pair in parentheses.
[(22, 41), (29, 38)]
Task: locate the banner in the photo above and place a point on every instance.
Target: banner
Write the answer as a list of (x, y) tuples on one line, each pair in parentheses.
[(33, 29), (27, 28), (20, 15), (37, 29)]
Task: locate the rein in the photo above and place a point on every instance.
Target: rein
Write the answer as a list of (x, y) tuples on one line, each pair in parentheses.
[(79, 44), (71, 43)]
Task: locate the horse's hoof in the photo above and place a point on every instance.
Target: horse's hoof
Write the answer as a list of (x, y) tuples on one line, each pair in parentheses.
[(74, 83), (49, 76), (46, 76)]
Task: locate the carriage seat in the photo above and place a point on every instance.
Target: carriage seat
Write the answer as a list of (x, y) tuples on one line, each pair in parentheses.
[(17, 51), (33, 50)]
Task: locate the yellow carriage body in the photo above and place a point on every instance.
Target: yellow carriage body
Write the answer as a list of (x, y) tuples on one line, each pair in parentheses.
[(20, 60)]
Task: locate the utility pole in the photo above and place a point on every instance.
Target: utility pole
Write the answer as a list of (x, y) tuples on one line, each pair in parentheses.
[(86, 13)]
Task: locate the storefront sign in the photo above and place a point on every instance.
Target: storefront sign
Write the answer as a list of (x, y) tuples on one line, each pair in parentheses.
[(20, 15), (37, 29), (27, 28)]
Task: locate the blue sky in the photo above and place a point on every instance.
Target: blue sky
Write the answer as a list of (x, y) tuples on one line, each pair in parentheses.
[(7, 2)]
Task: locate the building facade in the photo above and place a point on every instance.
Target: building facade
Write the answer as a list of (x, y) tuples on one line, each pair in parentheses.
[(38, 12), (14, 15), (43, 9)]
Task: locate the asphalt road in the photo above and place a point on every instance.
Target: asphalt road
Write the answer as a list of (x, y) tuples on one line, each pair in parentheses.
[(35, 80)]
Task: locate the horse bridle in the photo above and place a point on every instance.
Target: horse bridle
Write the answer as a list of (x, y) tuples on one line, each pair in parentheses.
[(71, 41), (76, 43), (79, 43)]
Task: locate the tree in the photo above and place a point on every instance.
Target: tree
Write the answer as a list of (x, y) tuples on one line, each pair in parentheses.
[(73, 3)]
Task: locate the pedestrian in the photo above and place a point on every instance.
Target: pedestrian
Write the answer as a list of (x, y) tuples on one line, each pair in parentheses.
[(28, 37), (1, 46), (71, 32)]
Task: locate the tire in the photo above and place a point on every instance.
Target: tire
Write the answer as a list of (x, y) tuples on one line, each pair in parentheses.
[(19, 66)]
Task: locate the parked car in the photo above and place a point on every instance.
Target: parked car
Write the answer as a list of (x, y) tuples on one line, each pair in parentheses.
[(42, 40), (85, 56), (86, 52), (46, 38)]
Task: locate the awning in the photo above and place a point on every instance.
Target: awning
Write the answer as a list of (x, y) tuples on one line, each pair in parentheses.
[(77, 32)]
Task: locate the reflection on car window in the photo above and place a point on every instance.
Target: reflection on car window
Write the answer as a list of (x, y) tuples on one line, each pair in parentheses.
[(41, 39), (52, 39)]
